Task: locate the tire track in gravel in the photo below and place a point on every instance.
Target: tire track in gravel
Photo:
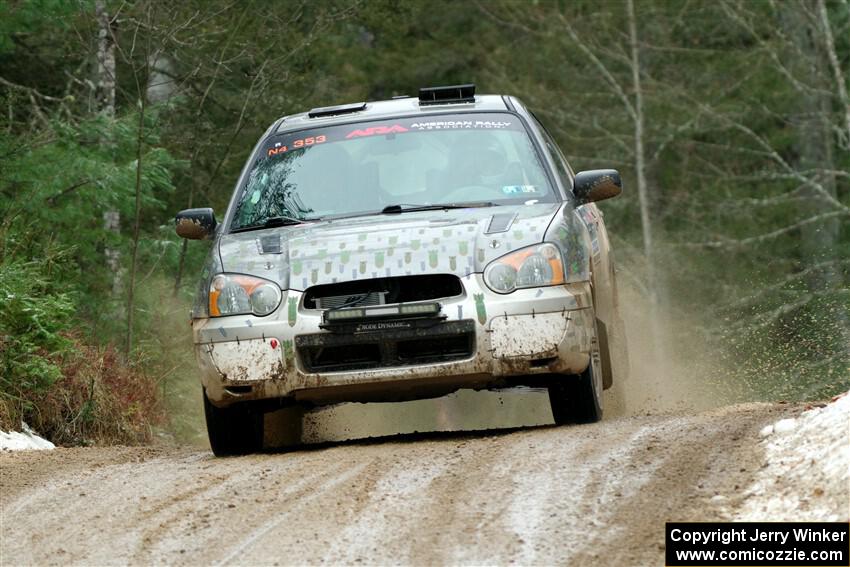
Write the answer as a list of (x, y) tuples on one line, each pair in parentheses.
[(544, 495)]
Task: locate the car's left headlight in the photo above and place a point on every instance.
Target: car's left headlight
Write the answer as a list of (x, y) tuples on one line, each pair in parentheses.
[(534, 266), (234, 294)]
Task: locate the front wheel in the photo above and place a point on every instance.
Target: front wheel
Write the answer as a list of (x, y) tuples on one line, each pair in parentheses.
[(234, 430), (577, 399)]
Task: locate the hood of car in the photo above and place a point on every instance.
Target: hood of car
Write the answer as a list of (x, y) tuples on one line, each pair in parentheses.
[(458, 241)]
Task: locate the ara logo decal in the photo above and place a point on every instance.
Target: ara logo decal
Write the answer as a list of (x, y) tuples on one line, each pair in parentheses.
[(377, 131)]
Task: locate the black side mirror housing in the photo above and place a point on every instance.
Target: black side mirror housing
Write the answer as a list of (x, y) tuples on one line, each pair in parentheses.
[(195, 224), (597, 185)]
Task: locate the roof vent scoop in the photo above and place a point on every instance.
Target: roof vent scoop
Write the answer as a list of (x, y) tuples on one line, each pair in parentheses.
[(334, 110), (447, 95)]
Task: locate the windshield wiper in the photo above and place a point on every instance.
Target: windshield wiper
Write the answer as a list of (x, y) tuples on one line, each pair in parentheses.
[(403, 208), (272, 222)]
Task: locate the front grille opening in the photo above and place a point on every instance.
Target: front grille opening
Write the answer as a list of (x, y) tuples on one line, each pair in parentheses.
[(380, 291), (344, 356), (238, 390), (436, 348), (332, 352)]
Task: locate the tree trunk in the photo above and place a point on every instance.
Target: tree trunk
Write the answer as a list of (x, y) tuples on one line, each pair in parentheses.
[(105, 98), (644, 198), (105, 94), (161, 86), (815, 151), (838, 74), (136, 221), (182, 264)]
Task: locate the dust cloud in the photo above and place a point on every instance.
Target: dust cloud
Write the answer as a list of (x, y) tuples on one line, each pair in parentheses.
[(673, 372), (670, 366)]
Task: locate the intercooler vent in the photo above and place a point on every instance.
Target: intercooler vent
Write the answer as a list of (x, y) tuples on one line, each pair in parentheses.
[(352, 300), (380, 291)]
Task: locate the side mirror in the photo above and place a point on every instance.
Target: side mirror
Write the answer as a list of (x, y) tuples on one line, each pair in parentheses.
[(195, 224), (597, 185)]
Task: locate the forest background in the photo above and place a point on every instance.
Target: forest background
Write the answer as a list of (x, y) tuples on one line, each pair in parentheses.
[(729, 119)]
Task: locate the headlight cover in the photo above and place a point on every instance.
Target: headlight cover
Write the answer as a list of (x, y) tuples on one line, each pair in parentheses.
[(534, 266), (235, 294)]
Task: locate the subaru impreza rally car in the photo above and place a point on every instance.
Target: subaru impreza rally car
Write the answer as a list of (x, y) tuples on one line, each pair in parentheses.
[(399, 250)]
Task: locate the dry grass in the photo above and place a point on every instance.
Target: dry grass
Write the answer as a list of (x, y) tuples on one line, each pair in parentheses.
[(100, 399)]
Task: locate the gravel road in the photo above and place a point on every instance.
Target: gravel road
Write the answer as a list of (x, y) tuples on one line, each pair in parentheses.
[(581, 495)]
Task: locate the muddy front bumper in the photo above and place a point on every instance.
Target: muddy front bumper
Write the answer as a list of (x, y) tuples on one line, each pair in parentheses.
[(482, 339)]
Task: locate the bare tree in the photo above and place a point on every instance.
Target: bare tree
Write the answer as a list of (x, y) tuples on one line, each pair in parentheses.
[(808, 28), (618, 65), (105, 79), (800, 50)]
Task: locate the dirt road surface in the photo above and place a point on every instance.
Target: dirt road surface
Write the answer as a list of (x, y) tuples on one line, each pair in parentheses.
[(580, 495)]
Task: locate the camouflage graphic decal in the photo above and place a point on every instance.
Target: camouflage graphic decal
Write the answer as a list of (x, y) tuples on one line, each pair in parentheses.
[(288, 350), (293, 311), (440, 242), (480, 309)]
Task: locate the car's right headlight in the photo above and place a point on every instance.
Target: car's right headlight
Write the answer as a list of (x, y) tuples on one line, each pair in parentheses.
[(534, 266), (235, 294)]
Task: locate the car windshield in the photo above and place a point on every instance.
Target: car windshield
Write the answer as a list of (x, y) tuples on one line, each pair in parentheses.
[(364, 167)]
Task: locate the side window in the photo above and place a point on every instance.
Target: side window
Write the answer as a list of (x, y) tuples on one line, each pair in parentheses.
[(564, 170)]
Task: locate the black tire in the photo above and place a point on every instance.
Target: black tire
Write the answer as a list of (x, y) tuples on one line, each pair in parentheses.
[(234, 430), (577, 399), (605, 353)]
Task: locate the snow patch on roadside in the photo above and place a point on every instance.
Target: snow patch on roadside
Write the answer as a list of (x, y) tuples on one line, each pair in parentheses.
[(806, 476), (27, 440)]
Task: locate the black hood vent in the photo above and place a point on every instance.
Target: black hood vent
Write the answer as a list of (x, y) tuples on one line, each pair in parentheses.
[(500, 223), (270, 244)]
